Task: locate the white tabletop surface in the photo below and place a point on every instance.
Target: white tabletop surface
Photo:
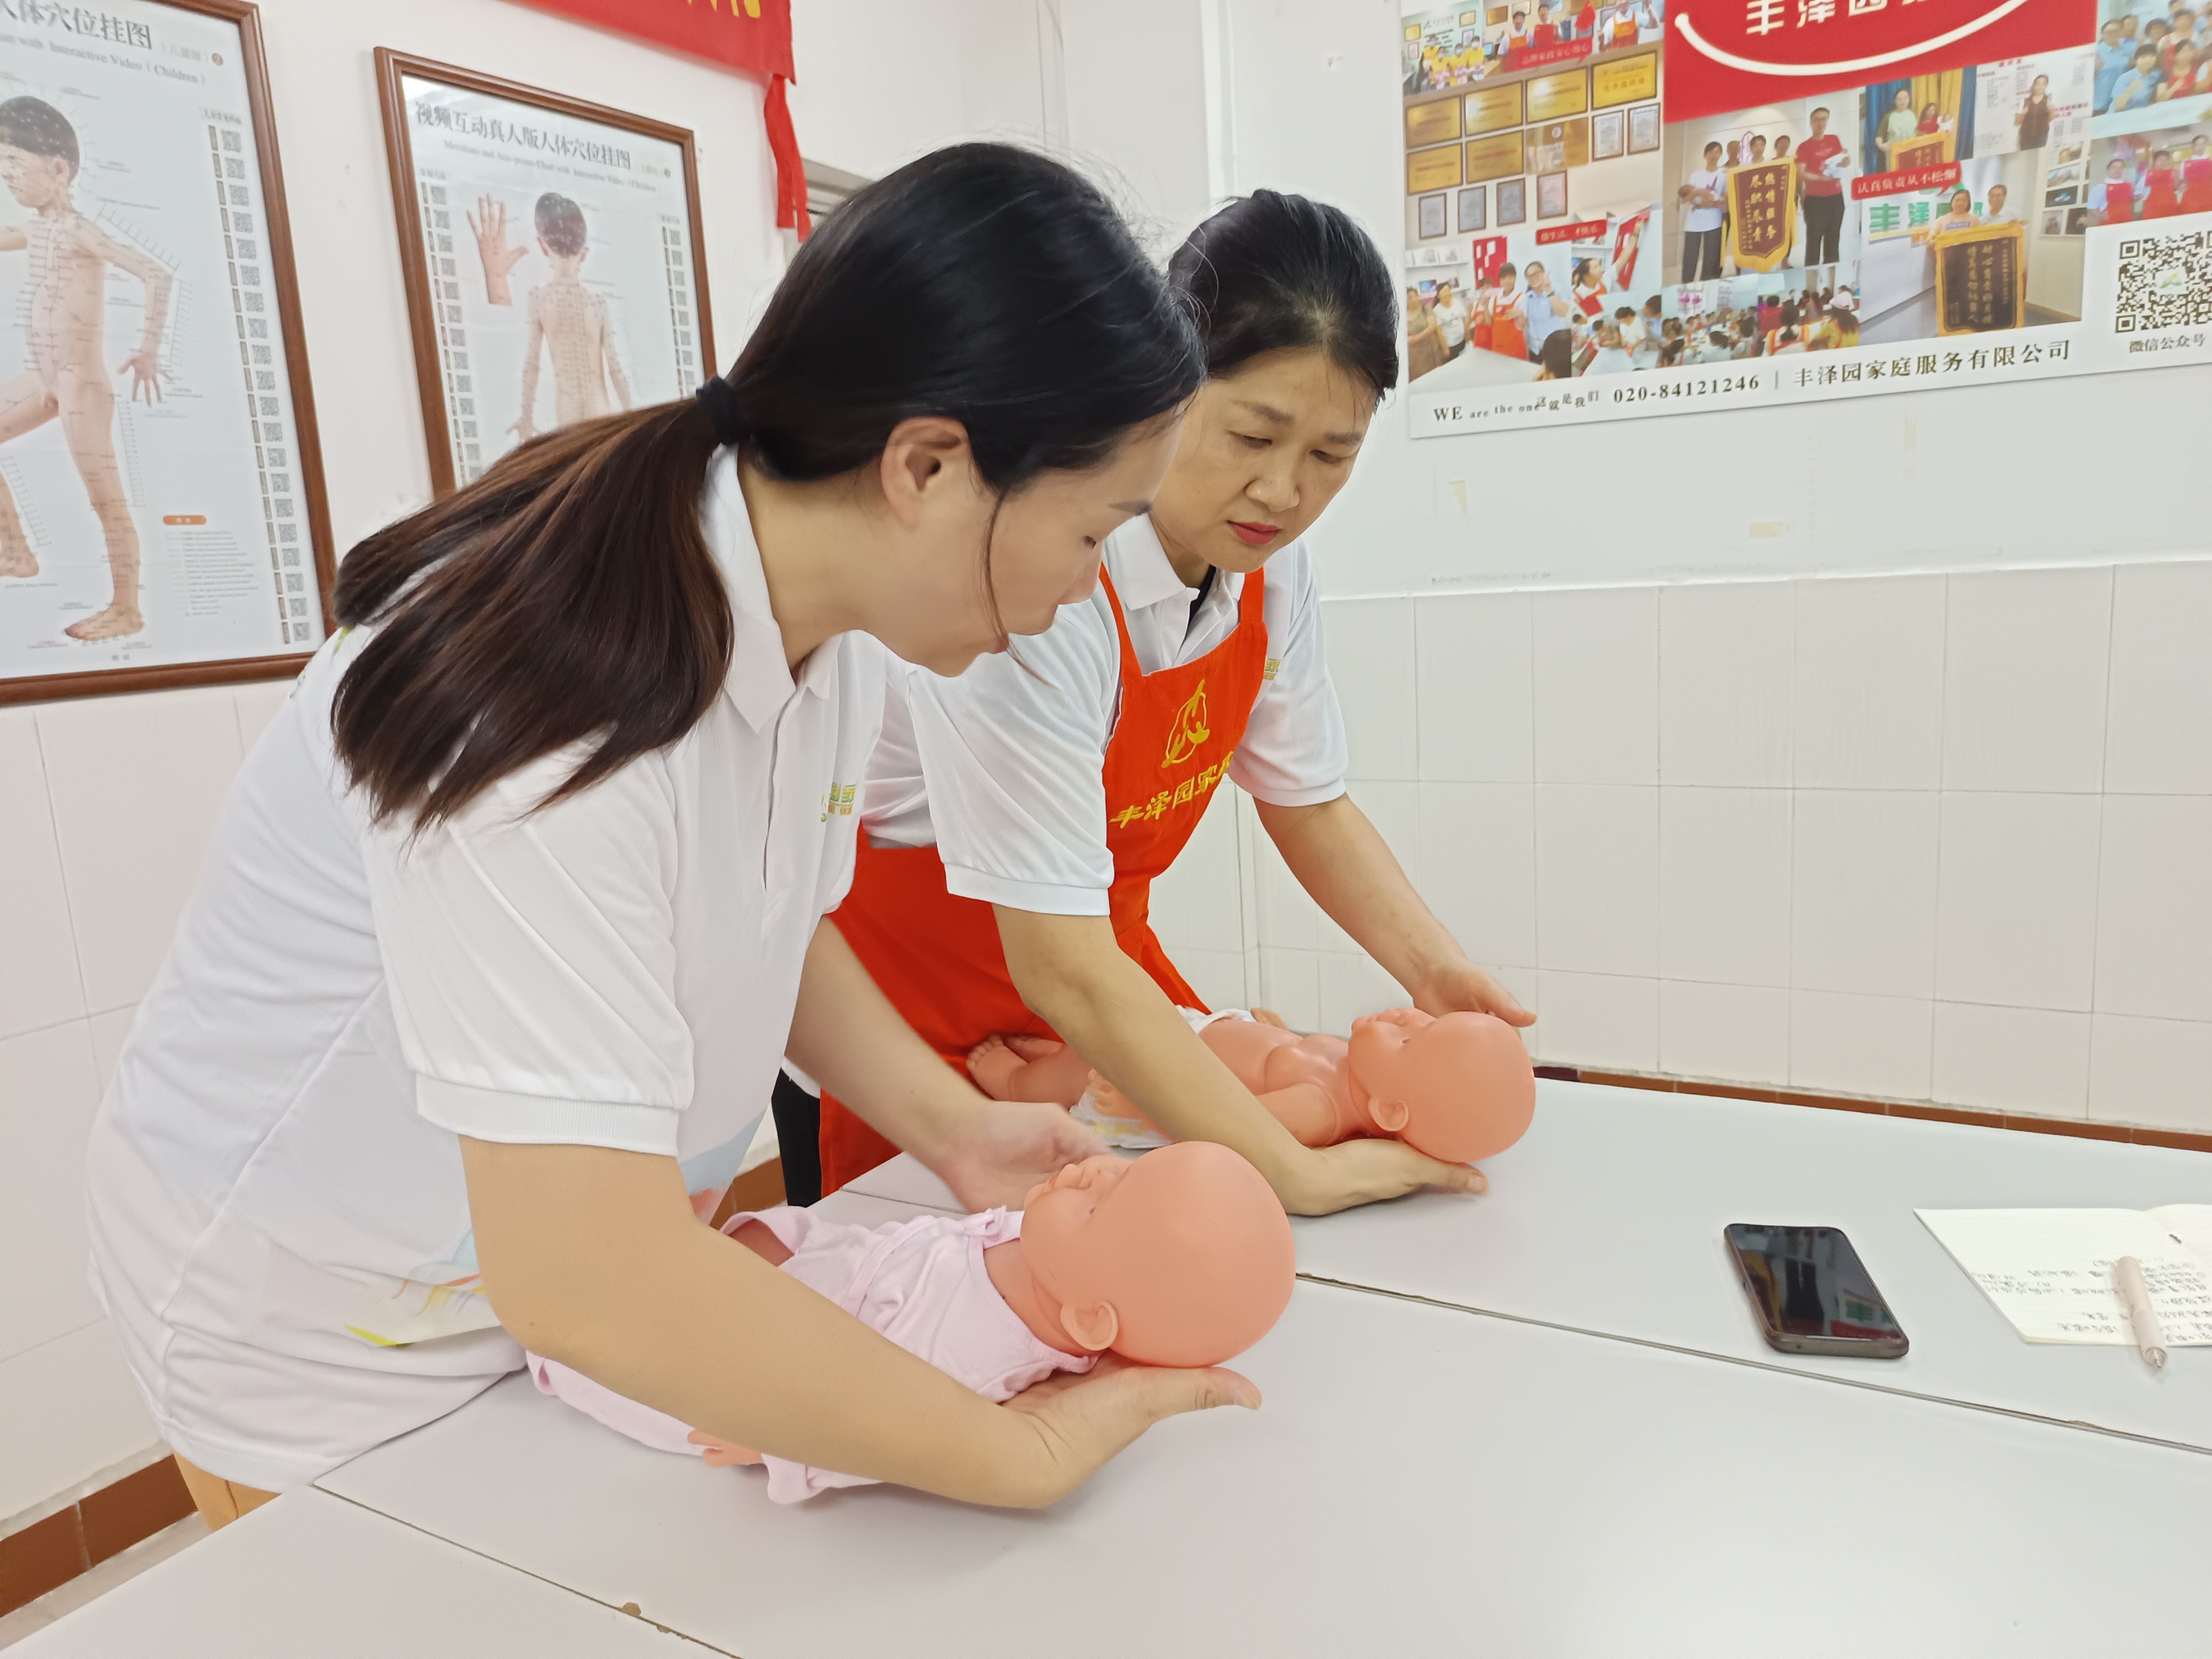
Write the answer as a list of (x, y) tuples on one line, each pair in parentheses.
[(311, 1574), (1421, 1481), (1607, 1217)]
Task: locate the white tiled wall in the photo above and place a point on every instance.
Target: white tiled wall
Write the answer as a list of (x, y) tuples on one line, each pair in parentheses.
[(105, 809), (1935, 837)]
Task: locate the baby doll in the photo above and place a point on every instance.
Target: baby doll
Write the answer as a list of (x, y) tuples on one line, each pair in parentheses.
[(1458, 1088), (1181, 1257)]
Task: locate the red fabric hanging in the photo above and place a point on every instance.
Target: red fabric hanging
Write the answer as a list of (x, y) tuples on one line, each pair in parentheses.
[(753, 35)]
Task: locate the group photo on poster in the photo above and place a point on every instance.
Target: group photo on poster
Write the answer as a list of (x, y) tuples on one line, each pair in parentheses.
[(1532, 205), (160, 498), (555, 269), (1797, 224)]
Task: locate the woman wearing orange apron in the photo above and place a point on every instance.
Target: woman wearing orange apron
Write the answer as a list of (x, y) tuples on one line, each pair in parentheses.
[(1016, 816)]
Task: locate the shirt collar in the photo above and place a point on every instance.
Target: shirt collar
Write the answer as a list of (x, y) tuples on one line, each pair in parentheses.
[(1143, 576), (759, 682)]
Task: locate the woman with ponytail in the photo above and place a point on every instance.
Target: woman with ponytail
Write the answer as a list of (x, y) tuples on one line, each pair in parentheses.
[(516, 906)]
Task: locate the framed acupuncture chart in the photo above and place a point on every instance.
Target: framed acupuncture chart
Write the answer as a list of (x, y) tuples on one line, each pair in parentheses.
[(162, 520), (552, 255)]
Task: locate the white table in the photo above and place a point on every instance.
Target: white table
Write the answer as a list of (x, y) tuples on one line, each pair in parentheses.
[(1420, 1481), (1607, 1217), (311, 1574)]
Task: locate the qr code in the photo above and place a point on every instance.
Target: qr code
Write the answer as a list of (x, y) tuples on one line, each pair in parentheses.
[(2165, 282)]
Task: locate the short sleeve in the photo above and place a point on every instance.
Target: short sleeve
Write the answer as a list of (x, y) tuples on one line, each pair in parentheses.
[(1293, 753), (531, 959), (1013, 755)]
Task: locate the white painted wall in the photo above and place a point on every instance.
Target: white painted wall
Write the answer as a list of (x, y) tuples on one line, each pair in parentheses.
[(106, 805), (881, 83)]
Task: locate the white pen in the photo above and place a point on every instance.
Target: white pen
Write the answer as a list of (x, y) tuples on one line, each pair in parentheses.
[(2135, 1297)]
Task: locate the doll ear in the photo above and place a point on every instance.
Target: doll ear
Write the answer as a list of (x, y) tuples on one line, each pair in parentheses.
[(1093, 1328), (1391, 1115)]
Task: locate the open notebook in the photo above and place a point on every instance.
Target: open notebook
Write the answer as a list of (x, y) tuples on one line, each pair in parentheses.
[(2050, 1272)]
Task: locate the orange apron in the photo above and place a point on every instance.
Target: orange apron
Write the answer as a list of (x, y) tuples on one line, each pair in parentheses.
[(937, 956)]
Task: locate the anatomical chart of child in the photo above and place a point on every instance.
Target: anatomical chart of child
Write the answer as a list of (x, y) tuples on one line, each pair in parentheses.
[(161, 516), (553, 270)]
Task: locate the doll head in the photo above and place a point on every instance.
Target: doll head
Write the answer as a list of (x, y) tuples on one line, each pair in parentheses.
[(1458, 1088), (1181, 1257)]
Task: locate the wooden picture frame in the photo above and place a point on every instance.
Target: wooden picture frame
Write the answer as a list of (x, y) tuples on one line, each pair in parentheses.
[(1644, 135), (1475, 208), (1433, 223), (286, 472), (1512, 202), (1551, 195), (1608, 134), (459, 442)]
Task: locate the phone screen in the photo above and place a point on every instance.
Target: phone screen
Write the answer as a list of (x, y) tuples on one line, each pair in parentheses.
[(1811, 1293)]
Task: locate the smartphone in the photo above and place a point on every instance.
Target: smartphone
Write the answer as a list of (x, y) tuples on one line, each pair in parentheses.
[(1811, 1293)]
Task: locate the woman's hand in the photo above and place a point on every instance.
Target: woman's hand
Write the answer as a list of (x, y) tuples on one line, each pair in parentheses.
[(1082, 1421), (1328, 1179), (1462, 987), (1003, 1148)]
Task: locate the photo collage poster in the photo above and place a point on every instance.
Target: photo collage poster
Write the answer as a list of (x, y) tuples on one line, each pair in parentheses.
[(561, 267), (1682, 204), (155, 480)]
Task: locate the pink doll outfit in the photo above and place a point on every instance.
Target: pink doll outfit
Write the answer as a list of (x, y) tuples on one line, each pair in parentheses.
[(921, 1282)]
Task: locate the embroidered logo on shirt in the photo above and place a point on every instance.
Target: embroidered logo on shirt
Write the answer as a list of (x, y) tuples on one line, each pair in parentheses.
[(1190, 729), (838, 803), (1274, 667)]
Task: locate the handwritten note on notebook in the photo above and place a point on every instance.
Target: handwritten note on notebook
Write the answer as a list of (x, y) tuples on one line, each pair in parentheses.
[(2050, 1272)]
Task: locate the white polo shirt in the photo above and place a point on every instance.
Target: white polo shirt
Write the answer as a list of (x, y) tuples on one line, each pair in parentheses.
[(1000, 769), (279, 1226)]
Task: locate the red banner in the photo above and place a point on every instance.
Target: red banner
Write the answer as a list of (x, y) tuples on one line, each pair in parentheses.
[(753, 35), (1725, 55), (1559, 51), (1900, 184), (1585, 230)]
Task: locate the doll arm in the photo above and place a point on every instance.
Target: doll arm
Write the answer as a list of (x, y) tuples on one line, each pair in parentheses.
[(1306, 1111)]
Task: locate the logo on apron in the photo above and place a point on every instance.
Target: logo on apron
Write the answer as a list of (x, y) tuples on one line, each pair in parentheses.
[(1190, 729)]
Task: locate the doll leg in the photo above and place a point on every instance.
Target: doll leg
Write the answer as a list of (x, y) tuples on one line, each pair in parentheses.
[(1027, 1068)]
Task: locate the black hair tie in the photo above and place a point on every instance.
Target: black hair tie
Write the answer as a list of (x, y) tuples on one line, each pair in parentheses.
[(721, 403)]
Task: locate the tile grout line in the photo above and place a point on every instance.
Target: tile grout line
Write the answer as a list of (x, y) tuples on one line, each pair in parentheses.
[(2104, 813), (2077, 1424), (61, 860)]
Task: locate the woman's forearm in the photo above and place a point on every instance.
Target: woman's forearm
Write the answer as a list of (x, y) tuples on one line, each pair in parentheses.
[(1076, 977), (594, 1258), (845, 1035), (1340, 857)]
